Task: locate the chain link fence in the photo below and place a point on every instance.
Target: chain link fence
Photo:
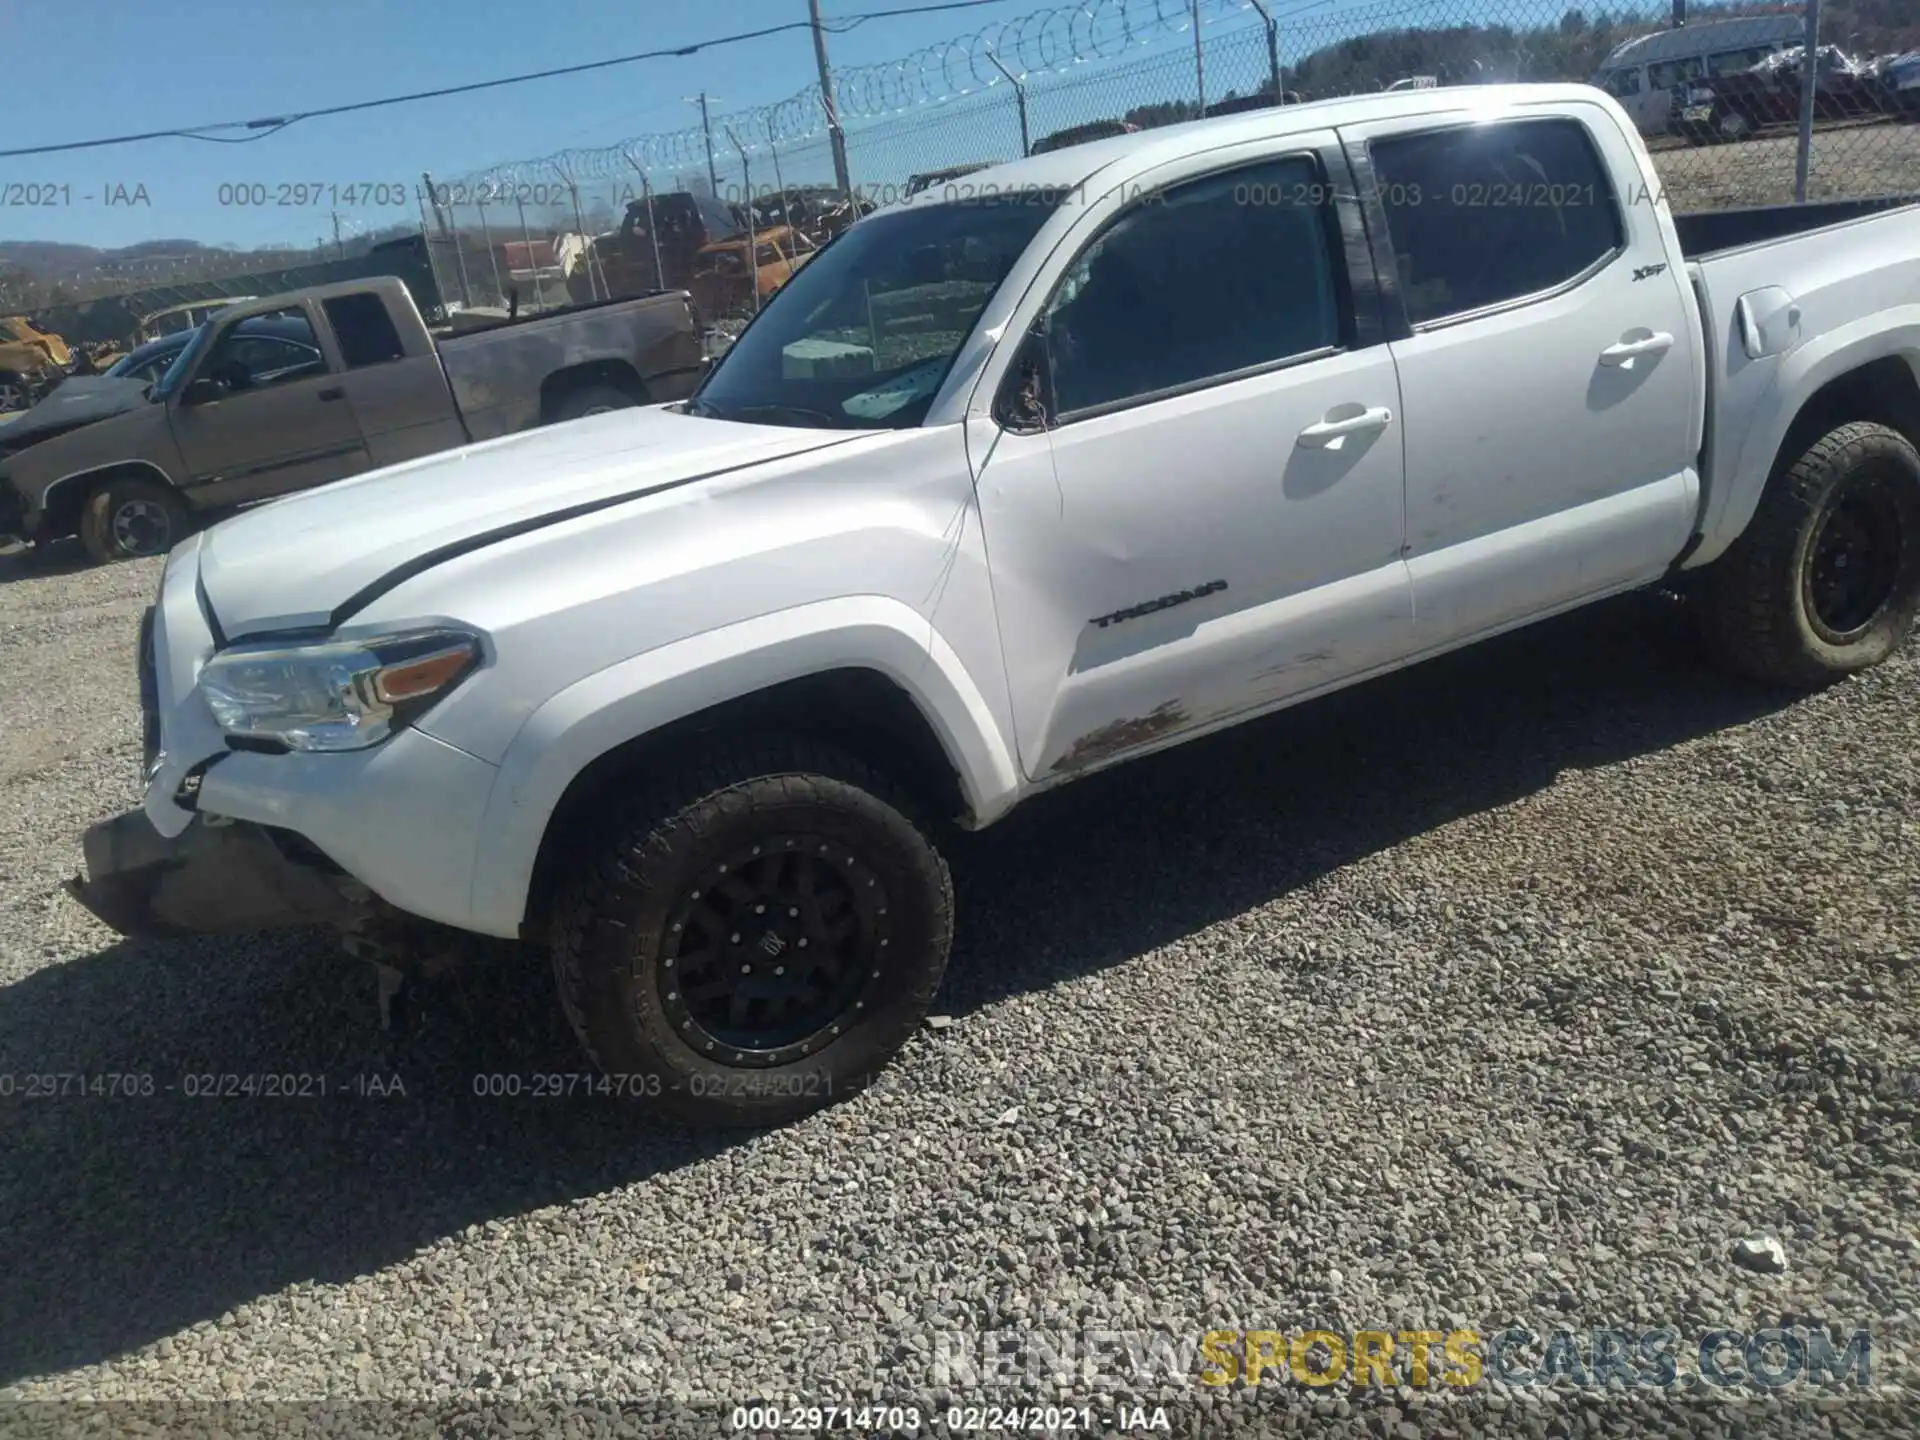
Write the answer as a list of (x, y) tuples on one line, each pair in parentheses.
[(731, 207), (1722, 99)]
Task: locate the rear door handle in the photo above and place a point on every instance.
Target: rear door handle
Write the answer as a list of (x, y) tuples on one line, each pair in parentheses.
[(1327, 434), (334, 392), (1628, 351)]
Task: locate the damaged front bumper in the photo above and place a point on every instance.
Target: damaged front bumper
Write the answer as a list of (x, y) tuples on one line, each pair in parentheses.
[(223, 879)]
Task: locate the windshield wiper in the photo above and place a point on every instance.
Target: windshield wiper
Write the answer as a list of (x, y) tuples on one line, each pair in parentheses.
[(800, 412)]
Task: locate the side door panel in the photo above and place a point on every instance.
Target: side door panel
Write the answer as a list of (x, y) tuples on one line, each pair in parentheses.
[(1175, 560), (1553, 418), (394, 381), (287, 434)]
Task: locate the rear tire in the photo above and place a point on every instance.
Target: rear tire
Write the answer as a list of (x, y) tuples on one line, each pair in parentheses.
[(132, 519), (1825, 581), (755, 937), (592, 400)]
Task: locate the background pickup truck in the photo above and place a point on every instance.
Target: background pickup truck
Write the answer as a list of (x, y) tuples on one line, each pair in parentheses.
[(1185, 426), (311, 386)]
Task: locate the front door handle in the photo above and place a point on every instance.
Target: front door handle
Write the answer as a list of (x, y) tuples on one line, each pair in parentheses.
[(1623, 355), (333, 392), (1327, 434)]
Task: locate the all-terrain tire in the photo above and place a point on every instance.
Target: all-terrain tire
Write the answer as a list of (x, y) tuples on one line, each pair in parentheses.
[(685, 861), (1760, 603), (131, 518), (592, 400)]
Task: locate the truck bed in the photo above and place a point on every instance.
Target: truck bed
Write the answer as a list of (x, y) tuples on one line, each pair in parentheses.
[(488, 321), (499, 373), (1708, 233), (1825, 283)]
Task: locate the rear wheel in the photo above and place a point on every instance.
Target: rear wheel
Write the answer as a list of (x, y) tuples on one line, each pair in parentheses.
[(15, 392), (131, 519), (592, 400), (755, 938), (1825, 582)]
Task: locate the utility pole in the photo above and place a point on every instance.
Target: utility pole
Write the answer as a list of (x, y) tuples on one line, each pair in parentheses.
[(753, 237), (1809, 95), (431, 196), (835, 135), (1273, 49), (1199, 62), (1019, 99), (339, 250), (706, 128)]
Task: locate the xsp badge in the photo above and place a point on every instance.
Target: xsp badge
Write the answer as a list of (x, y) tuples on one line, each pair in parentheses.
[(1647, 272), (1165, 602)]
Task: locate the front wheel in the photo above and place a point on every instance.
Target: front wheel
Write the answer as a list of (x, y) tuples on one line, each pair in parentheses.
[(1825, 581), (756, 938), (131, 519)]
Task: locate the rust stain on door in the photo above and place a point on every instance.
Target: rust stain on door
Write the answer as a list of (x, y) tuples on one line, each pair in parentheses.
[(1120, 736)]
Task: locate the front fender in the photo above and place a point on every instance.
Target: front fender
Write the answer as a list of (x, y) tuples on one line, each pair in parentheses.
[(57, 494), (638, 696), (1801, 375)]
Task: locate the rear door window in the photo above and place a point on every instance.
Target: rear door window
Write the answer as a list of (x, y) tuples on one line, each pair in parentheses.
[(1483, 215), (364, 329)]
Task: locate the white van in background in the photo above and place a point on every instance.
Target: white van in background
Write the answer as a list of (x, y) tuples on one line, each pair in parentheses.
[(1646, 75)]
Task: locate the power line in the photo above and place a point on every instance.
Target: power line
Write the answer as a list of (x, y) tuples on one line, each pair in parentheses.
[(273, 125), (1041, 41)]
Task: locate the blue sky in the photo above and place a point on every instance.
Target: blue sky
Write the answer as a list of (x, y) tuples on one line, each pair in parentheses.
[(133, 65)]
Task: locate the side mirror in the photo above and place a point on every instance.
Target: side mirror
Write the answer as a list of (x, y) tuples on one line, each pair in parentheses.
[(1026, 395)]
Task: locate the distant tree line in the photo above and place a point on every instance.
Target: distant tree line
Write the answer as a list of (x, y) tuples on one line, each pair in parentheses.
[(1571, 48)]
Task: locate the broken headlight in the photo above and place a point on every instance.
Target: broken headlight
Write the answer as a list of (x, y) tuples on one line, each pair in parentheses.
[(335, 694)]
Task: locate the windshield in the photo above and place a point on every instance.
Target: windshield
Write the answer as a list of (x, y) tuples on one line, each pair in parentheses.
[(143, 357), (183, 363), (864, 334)]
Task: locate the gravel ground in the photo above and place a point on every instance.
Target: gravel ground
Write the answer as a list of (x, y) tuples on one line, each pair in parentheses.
[(1514, 989), (1848, 160)]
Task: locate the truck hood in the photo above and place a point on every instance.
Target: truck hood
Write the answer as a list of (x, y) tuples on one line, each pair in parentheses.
[(79, 400), (311, 560)]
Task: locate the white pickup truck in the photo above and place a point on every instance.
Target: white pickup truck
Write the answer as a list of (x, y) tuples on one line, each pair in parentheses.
[(1069, 461)]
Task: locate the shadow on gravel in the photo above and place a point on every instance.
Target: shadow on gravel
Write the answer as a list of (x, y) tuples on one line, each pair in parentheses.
[(1131, 859), (24, 563), (126, 1219)]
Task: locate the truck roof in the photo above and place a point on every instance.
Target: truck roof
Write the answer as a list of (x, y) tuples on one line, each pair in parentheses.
[(1074, 165)]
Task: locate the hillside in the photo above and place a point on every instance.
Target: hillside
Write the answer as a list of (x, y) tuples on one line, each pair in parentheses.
[(36, 273)]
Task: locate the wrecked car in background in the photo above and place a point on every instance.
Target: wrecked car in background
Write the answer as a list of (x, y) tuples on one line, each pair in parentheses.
[(346, 378), (819, 212), (927, 179), (655, 247), (683, 240), (724, 283), (1739, 104), (32, 362), (1082, 134), (179, 319), (1898, 80)]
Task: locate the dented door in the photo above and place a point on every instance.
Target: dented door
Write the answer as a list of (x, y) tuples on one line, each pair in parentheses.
[(1211, 523)]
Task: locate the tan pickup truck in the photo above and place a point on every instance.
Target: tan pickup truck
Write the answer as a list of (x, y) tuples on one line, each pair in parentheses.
[(304, 388)]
